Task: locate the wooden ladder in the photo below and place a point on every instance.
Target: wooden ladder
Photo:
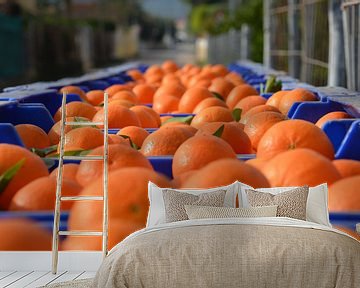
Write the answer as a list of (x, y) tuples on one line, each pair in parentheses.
[(59, 198)]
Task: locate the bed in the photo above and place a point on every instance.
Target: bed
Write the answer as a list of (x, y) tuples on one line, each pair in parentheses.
[(233, 252)]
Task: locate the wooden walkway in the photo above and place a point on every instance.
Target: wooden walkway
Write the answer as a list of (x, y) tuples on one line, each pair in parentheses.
[(32, 269)]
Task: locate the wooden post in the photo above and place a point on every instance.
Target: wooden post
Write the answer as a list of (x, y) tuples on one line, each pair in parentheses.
[(337, 71), (294, 43), (267, 34)]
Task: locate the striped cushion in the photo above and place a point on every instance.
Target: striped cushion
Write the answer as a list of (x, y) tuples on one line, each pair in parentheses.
[(201, 212)]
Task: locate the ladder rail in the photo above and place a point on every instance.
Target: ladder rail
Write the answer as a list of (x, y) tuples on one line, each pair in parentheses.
[(56, 231), (55, 240), (105, 177)]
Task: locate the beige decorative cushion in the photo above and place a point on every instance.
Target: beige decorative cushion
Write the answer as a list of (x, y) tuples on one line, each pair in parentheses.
[(202, 212), (175, 201), (291, 203)]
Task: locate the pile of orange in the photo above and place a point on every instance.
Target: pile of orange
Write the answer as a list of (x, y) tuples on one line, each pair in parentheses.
[(204, 149)]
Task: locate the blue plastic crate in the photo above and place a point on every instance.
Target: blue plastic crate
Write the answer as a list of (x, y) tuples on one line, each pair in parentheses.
[(19, 113)]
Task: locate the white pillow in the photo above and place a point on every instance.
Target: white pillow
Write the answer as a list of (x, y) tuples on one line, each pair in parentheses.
[(156, 214), (316, 206)]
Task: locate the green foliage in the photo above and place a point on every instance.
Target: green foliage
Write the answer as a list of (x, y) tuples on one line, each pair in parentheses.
[(214, 19)]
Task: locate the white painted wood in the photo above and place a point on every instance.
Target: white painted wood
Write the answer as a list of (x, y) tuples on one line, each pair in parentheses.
[(28, 279), (4, 274), (68, 276), (47, 278), (41, 260), (86, 275), (12, 278)]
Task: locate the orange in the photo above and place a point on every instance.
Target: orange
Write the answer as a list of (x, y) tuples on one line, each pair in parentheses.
[(95, 97), (120, 156), (176, 90), (136, 134), (135, 74), (154, 114), (332, 116), (167, 104), (347, 167), (32, 169), (113, 89), (74, 90), (259, 123), (125, 95), (221, 86), (154, 70), (116, 139), (275, 98), (118, 231), (300, 167), (147, 120), (40, 195), (76, 108), (352, 233), (144, 93), (198, 151), (165, 141), (170, 79), (169, 66), (230, 171), (232, 134), (83, 138), (258, 163), (193, 97), (239, 92), (121, 102), (32, 136), (258, 109), (128, 198), (293, 134), (212, 114), (118, 116), (235, 78), (208, 102), (250, 102), (23, 235), (344, 195), (69, 171), (219, 69), (296, 95)]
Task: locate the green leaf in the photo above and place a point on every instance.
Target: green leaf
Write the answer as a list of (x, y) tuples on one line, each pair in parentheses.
[(186, 119), (6, 177), (81, 119), (217, 95), (219, 131), (132, 144), (72, 153), (45, 151), (272, 85), (236, 113)]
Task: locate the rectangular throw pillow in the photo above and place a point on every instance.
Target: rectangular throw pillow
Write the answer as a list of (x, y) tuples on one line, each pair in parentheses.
[(202, 212), (290, 204), (316, 207), (175, 202), (156, 214)]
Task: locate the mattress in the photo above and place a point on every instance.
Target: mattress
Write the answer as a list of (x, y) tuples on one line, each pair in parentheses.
[(237, 252)]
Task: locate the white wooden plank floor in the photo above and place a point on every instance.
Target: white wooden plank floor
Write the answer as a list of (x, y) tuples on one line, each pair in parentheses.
[(34, 279)]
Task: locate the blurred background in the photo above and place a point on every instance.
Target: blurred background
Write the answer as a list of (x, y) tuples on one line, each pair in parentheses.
[(49, 39)]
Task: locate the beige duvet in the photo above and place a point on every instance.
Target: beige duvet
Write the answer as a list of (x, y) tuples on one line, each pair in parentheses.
[(284, 253)]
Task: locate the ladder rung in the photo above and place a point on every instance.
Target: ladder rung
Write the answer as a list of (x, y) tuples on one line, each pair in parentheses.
[(84, 123), (71, 198), (81, 233), (83, 157)]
